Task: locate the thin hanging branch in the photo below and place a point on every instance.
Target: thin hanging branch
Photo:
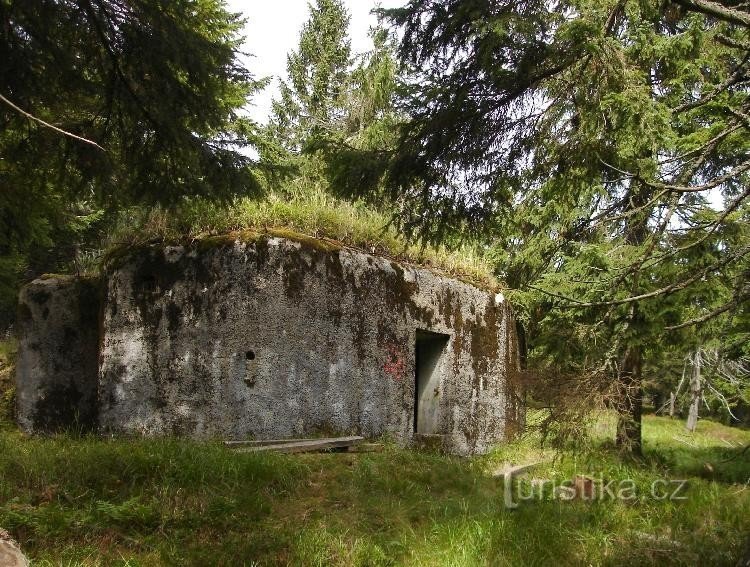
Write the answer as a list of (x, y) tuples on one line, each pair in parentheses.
[(50, 126), (703, 318), (666, 290)]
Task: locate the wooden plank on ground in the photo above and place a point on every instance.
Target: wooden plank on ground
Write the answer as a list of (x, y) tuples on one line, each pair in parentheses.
[(257, 442), (303, 445)]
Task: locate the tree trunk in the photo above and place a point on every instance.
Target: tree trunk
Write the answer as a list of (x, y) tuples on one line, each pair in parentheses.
[(636, 233), (695, 393), (671, 405), (631, 403)]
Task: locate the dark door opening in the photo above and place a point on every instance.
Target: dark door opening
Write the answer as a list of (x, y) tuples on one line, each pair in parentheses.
[(429, 350)]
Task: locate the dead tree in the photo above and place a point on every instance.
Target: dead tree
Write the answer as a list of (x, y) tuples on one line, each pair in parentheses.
[(709, 373), (695, 392)]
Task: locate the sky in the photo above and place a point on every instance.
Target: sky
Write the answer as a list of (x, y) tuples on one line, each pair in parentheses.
[(273, 28)]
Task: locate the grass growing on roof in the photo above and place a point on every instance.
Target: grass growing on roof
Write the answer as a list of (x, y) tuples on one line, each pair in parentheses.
[(313, 213)]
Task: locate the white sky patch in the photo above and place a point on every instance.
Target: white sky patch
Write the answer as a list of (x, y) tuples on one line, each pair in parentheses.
[(272, 31)]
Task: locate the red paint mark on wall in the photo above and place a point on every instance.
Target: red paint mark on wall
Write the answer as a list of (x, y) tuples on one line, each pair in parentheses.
[(395, 366)]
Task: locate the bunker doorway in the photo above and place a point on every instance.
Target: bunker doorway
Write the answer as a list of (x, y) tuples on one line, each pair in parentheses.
[(429, 368)]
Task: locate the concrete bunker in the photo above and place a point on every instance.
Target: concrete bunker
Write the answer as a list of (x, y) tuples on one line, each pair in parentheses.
[(270, 337)]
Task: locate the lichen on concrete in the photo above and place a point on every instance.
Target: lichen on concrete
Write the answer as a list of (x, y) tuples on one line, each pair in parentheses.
[(57, 367)]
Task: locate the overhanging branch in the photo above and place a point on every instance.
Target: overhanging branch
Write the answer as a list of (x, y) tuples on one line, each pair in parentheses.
[(666, 290), (717, 10), (50, 126)]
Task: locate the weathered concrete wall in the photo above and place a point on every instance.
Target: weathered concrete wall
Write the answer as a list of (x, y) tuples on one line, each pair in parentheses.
[(268, 337), (57, 368)]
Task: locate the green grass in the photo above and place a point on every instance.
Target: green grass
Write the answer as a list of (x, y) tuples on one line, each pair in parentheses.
[(312, 212), (89, 501)]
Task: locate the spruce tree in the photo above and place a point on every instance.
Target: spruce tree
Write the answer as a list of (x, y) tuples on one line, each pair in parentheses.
[(312, 100), (333, 104), (106, 103)]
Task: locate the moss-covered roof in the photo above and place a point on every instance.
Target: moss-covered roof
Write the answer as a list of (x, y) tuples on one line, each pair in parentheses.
[(476, 277)]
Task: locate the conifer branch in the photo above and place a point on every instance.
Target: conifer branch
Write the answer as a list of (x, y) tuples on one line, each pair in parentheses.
[(739, 76), (666, 290), (91, 11), (715, 182)]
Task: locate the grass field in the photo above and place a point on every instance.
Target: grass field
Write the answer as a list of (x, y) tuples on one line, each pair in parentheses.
[(86, 501)]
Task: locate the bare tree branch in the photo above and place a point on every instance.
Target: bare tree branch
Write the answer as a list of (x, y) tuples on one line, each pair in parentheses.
[(717, 10), (703, 318), (50, 126), (720, 180)]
